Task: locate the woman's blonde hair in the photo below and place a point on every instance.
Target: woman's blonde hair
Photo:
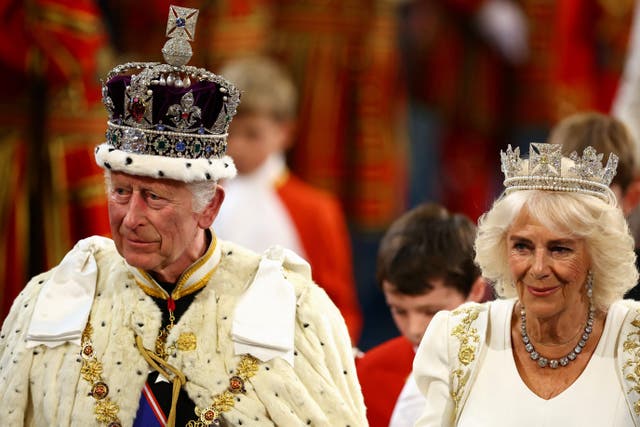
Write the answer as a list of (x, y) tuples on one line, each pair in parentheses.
[(601, 225)]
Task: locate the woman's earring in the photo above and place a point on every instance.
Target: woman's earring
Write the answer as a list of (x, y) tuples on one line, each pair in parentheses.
[(590, 285)]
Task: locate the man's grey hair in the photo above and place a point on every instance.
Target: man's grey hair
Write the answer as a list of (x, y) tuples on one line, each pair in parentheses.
[(203, 192)]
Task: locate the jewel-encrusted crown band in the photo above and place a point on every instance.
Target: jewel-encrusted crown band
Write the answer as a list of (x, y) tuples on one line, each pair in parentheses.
[(168, 144), (544, 170)]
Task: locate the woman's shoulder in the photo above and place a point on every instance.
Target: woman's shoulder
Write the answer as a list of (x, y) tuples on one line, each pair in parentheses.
[(627, 304), (469, 322), (473, 310), (625, 314)]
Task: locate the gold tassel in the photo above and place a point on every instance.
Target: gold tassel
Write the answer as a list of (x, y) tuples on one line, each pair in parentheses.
[(167, 371)]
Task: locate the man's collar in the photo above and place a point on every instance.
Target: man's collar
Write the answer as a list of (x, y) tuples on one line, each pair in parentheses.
[(192, 279)]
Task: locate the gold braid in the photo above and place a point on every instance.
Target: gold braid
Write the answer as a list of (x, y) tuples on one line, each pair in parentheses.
[(167, 371)]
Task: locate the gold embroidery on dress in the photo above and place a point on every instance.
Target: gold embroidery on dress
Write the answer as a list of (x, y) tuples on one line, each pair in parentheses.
[(106, 411), (631, 366), (469, 342)]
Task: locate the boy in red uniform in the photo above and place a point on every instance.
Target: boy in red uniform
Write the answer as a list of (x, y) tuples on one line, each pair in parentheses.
[(425, 264), (277, 207)]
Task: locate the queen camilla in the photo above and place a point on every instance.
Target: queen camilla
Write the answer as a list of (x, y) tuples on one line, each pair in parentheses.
[(560, 347)]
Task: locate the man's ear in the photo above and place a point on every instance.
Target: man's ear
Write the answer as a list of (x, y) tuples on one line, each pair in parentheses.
[(479, 291), (289, 130), (631, 197), (210, 212)]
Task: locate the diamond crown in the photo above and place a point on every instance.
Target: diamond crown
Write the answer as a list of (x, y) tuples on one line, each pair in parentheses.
[(546, 169), (170, 109)]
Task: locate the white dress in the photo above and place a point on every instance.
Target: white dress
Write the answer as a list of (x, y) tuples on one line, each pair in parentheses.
[(499, 397), (464, 367)]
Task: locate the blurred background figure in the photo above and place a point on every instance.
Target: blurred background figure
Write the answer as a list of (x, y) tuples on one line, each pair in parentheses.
[(266, 204), (626, 104), (606, 134), (425, 264)]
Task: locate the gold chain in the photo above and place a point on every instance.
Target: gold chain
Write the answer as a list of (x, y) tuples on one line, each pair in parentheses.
[(161, 341), (106, 411), (223, 402)]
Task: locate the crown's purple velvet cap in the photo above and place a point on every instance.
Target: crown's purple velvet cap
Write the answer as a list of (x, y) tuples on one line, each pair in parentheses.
[(206, 95)]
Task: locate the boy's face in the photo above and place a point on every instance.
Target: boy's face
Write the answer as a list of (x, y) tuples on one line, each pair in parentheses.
[(413, 313), (253, 137)]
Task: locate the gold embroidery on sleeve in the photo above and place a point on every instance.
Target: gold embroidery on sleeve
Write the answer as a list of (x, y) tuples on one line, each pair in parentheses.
[(631, 366), (469, 340)]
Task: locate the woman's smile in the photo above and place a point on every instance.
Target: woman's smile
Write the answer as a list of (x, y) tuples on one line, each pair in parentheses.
[(542, 292)]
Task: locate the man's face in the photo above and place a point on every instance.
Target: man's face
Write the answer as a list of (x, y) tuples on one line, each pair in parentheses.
[(154, 226), (253, 137), (413, 313)]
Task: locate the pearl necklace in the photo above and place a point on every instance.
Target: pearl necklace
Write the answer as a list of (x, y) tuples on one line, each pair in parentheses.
[(543, 362)]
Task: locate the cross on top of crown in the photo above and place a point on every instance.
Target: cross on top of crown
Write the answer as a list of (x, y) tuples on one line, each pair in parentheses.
[(181, 29), (182, 22)]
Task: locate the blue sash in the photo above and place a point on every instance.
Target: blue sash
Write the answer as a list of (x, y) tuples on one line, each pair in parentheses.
[(149, 412)]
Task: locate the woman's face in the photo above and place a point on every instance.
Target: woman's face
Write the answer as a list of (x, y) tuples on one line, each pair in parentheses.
[(549, 268)]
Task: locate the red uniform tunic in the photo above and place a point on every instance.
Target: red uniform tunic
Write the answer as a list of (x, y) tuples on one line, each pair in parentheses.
[(382, 373)]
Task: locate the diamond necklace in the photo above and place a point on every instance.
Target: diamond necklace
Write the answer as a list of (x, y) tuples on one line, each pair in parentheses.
[(543, 362)]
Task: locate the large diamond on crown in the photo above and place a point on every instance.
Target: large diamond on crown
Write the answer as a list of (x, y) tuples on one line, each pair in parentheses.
[(545, 159), (134, 141)]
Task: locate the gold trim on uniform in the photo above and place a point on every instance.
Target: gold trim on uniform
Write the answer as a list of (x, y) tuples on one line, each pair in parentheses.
[(183, 287)]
